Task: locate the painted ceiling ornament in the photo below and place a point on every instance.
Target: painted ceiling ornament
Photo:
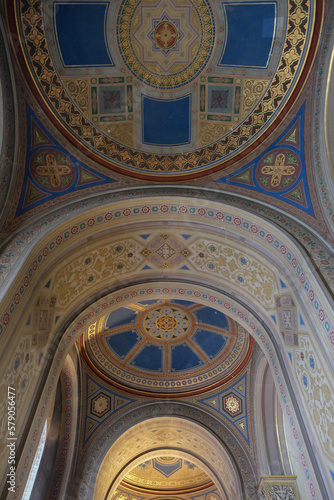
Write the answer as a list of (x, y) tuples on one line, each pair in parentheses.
[(52, 170), (165, 44), (278, 170), (166, 345), (165, 35), (232, 404), (166, 323), (159, 89)]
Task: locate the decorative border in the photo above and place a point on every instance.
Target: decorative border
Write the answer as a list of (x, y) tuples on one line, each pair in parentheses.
[(252, 229), (67, 432), (324, 178)]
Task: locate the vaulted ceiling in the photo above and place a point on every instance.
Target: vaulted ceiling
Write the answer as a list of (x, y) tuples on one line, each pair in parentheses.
[(172, 118)]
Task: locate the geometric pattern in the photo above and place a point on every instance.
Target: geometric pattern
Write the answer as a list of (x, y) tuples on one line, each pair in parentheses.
[(280, 171), (101, 403), (159, 35), (165, 467), (166, 250), (164, 345), (166, 323), (50, 170), (111, 100), (165, 44), (232, 404), (165, 473), (221, 100)]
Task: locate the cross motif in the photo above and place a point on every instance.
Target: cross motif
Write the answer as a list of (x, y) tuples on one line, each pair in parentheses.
[(278, 170), (53, 170)]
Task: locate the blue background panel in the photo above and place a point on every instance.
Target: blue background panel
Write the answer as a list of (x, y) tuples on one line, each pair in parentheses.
[(212, 343), (184, 358), (150, 358), (212, 317), (121, 317), (122, 343), (80, 30), (167, 469), (166, 122), (256, 22)]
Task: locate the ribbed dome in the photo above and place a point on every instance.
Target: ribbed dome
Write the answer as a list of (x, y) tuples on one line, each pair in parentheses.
[(166, 345)]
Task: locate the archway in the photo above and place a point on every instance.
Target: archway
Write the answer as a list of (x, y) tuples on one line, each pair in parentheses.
[(247, 240)]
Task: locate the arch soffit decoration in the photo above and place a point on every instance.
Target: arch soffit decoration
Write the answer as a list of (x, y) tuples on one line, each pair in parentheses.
[(8, 119), (237, 221), (93, 477), (318, 250), (165, 453), (227, 304), (197, 442), (43, 251)]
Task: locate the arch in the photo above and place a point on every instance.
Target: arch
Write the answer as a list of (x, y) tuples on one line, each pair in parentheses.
[(193, 441), (44, 253), (219, 443), (221, 301), (323, 124), (171, 453), (272, 454), (8, 125)]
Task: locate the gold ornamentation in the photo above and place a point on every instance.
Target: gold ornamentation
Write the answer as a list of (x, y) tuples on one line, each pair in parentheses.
[(78, 91), (211, 132), (317, 392), (121, 132), (166, 323), (107, 263), (278, 487), (278, 170), (269, 96), (53, 170), (233, 265), (232, 404), (100, 404), (165, 35), (253, 90)]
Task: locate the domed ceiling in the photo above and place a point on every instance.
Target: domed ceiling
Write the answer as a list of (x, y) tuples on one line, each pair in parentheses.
[(150, 87), (169, 346)]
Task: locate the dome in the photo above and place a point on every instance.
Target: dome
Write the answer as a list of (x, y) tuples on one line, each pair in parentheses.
[(155, 87), (167, 346)]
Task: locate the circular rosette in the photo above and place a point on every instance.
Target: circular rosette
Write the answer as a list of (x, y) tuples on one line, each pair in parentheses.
[(166, 323), (279, 170), (52, 170), (165, 45)]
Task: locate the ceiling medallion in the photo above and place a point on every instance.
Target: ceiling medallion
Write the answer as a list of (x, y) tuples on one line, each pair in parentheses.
[(166, 323), (165, 35), (164, 44)]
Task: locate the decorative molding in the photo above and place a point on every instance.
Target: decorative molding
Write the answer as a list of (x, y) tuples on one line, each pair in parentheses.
[(278, 488)]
